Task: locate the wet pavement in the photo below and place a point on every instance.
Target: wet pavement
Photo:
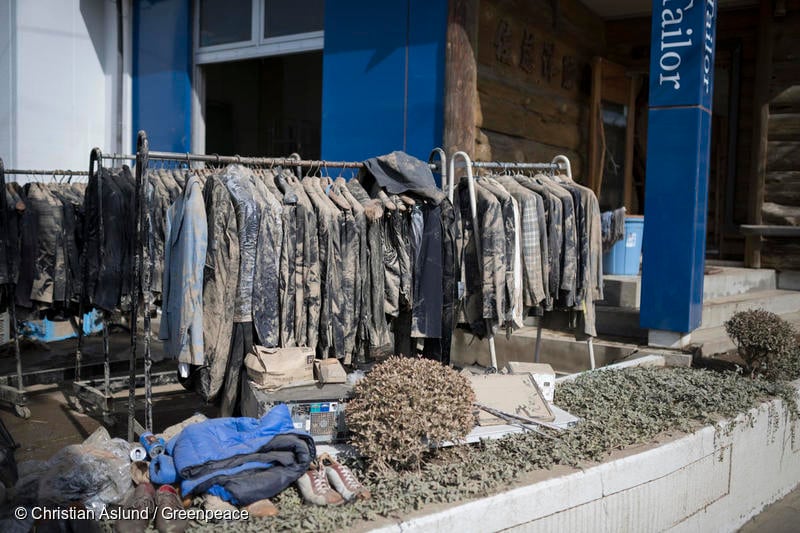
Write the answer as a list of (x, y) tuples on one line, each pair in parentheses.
[(782, 516)]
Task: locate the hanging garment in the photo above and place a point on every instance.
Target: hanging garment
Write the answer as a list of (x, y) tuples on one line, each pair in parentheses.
[(555, 234), (241, 345), (484, 274), (307, 313), (378, 337), (428, 272), (71, 198), (348, 239), (289, 291), (220, 276), (331, 331), (533, 241), (241, 187), (569, 255), (267, 272), (361, 269), (185, 258), (509, 231)]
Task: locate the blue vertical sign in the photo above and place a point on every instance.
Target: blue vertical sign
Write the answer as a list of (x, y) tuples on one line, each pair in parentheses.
[(678, 150)]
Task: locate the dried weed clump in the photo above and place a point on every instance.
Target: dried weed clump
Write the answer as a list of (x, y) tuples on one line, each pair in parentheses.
[(404, 407), (767, 344)]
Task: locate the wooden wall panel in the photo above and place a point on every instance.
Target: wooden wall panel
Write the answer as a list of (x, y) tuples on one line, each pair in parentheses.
[(533, 79)]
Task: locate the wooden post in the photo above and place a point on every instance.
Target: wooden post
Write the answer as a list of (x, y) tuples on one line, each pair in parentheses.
[(461, 76), (760, 131), (630, 138)]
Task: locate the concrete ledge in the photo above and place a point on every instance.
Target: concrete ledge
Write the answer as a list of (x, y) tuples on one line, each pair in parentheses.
[(706, 481)]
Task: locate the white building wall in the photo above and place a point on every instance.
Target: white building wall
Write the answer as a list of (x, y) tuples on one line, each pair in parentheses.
[(63, 64)]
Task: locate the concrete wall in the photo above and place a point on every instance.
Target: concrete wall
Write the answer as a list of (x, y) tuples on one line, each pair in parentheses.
[(706, 481), (61, 88)]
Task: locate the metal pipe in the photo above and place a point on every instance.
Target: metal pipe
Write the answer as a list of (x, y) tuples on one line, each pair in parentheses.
[(46, 172), (441, 166), (565, 160)]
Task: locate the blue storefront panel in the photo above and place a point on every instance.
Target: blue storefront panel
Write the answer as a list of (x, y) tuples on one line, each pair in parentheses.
[(162, 73), (383, 77)]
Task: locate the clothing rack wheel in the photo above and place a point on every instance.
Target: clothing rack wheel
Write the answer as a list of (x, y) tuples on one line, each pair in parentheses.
[(9, 394)]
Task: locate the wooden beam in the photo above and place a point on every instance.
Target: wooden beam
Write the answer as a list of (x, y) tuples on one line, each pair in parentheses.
[(595, 124), (461, 77), (760, 130), (630, 139)]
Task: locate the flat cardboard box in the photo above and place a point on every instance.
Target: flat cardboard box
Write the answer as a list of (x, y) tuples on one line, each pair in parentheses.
[(543, 373), (329, 371), (515, 394)]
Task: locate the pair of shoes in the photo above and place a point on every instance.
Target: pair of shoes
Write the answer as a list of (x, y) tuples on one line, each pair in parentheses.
[(315, 485), (142, 507), (343, 479)]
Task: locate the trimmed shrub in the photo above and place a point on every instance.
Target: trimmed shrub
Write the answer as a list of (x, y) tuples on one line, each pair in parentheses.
[(767, 344), (406, 406)]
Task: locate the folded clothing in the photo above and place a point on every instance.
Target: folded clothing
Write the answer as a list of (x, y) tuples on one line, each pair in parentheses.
[(612, 224), (242, 460)]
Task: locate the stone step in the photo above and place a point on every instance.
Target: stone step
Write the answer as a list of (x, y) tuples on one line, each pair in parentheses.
[(729, 281), (718, 310), (714, 341)]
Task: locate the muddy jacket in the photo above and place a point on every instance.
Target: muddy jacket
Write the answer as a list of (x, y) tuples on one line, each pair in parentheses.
[(185, 258), (220, 276)]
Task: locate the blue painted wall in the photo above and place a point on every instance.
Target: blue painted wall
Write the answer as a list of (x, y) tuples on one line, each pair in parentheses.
[(383, 77), (162, 73)]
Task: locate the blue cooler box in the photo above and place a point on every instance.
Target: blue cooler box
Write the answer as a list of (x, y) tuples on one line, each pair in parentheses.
[(624, 257)]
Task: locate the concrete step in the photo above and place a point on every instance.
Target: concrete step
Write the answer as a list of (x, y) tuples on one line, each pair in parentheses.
[(727, 281), (622, 291), (625, 291), (718, 310), (714, 341), (619, 322), (560, 350)]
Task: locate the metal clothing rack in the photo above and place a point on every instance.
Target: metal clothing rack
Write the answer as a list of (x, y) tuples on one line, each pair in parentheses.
[(16, 396), (143, 156), (560, 162)]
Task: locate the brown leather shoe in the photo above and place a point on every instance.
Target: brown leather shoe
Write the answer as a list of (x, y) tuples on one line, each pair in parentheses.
[(169, 505), (262, 509), (140, 508)]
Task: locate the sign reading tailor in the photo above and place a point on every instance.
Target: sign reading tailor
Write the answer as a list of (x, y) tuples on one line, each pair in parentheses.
[(682, 53), (678, 152)]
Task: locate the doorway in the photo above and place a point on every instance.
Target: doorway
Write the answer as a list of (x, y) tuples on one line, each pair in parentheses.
[(269, 106)]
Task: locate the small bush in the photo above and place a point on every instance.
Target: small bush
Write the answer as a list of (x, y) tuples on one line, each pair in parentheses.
[(767, 344), (405, 406)]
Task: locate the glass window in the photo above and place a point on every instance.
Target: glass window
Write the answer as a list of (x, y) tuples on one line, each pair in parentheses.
[(225, 21), (286, 17)]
